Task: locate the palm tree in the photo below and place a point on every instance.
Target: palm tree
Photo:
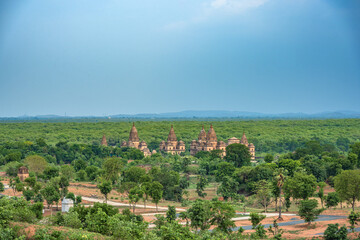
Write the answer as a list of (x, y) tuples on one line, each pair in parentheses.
[(280, 183)]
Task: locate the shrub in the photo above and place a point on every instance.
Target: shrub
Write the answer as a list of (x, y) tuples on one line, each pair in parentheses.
[(333, 232), (72, 220), (97, 222), (37, 208)]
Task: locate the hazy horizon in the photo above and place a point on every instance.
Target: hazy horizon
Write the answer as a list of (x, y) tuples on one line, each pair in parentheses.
[(100, 58)]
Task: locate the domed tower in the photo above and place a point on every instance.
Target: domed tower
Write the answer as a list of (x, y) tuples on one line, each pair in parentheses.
[(244, 140), (142, 145), (202, 135), (133, 137), (181, 146), (193, 147), (103, 141), (162, 145), (211, 138), (252, 151)]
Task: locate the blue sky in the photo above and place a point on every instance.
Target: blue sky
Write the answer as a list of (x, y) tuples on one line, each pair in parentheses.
[(88, 57)]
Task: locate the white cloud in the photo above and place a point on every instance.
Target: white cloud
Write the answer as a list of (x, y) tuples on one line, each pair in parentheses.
[(236, 5), (212, 7)]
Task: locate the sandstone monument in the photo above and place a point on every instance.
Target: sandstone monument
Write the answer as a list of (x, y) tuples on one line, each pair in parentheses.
[(134, 142), (172, 145), (208, 142)]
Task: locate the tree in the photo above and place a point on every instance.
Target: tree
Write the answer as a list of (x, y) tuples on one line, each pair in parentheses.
[(105, 188), (200, 215), (347, 185), (134, 174), (228, 188), (263, 193), (156, 193), (355, 148), (321, 193), (135, 194), (332, 200), (146, 187), (2, 187), (224, 169), (308, 210), (301, 186), (238, 154), (221, 216), (28, 194), (76, 199), (280, 179), (200, 186), (51, 195), (112, 167), (269, 158), (67, 171), (35, 163), (171, 214)]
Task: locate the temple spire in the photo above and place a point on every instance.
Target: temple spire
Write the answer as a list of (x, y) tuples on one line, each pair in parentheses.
[(103, 141), (172, 136), (133, 137)]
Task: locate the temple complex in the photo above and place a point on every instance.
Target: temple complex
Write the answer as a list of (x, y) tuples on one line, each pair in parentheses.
[(103, 141), (208, 142), (134, 142), (172, 145)]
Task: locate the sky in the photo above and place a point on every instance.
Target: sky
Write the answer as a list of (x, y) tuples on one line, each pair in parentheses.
[(90, 57)]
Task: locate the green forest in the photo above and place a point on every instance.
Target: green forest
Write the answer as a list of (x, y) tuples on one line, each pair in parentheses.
[(269, 136)]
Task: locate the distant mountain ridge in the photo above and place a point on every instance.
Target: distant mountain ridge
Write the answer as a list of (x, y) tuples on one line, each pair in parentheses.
[(193, 114)]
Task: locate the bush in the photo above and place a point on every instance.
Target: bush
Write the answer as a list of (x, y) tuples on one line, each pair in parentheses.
[(334, 233), (37, 208), (97, 222), (72, 220), (332, 200), (256, 218), (121, 229)]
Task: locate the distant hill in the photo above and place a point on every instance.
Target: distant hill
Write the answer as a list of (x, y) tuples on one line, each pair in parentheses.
[(194, 115)]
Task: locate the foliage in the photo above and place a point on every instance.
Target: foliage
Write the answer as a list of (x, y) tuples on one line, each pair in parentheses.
[(301, 186), (332, 199), (333, 232), (105, 188), (171, 214), (200, 186), (135, 195), (263, 193), (256, 218), (354, 218), (308, 210), (238, 154), (35, 163), (111, 169), (156, 192), (347, 185)]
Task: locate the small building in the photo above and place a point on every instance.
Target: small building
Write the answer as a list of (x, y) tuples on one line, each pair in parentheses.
[(172, 145), (66, 204), (23, 173)]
